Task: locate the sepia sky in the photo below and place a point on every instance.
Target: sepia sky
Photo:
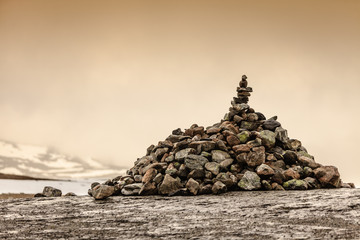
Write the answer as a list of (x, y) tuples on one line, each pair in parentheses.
[(109, 78)]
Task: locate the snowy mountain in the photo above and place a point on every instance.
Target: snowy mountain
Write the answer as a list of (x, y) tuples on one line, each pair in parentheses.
[(43, 162)]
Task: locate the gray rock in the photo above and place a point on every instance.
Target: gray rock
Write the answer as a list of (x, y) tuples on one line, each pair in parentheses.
[(267, 138), (131, 189), (193, 186), (195, 162), (169, 185), (312, 183), (182, 154), (102, 191), (225, 179), (138, 178), (271, 124), (226, 163), (70, 194), (52, 192), (309, 162), (281, 135), (294, 144), (213, 167), (218, 188), (158, 178), (219, 156), (250, 181)]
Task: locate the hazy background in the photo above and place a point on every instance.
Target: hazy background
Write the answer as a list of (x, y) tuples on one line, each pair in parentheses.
[(109, 78)]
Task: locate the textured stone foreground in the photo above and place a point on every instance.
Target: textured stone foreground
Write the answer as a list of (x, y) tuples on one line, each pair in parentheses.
[(315, 214)]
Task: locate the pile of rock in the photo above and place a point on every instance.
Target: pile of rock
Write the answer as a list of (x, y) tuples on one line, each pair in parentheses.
[(245, 151), (53, 192)]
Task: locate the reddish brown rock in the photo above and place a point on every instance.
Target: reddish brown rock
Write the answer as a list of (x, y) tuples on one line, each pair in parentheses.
[(241, 148), (256, 157), (328, 176), (149, 175), (232, 140), (291, 174)]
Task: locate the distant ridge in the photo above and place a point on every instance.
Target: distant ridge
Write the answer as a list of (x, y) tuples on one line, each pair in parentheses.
[(21, 161)]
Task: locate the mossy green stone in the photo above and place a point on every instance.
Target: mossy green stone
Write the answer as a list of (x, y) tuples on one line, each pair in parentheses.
[(244, 136), (248, 125), (295, 184)]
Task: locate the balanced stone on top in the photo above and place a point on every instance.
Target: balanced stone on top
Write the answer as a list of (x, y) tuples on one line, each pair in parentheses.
[(243, 92)]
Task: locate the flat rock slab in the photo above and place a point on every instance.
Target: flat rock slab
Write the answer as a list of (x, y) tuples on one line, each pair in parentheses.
[(315, 214)]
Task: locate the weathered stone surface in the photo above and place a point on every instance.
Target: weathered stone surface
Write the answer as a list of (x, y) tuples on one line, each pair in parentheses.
[(312, 183), (291, 174), (328, 176), (250, 181), (281, 135), (193, 186), (131, 189), (264, 170), (213, 167), (244, 136), (256, 157), (195, 162), (294, 144), (316, 214), (169, 185), (213, 130), (149, 175), (51, 192), (309, 162), (226, 163), (149, 188), (248, 125), (295, 184), (219, 156), (102, 191), (182, 154), (218, 188), (232, 140), (267, 138), (271, 124), (204, 145), (241, 148), (226, 179)]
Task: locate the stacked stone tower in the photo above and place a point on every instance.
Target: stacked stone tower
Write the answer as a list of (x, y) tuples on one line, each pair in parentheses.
[(244, 151)]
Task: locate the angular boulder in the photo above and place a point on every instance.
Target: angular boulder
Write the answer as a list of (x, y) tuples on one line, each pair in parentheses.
[(250, 181), (169, 185)]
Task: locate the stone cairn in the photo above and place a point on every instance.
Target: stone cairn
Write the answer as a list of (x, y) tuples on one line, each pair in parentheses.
[(245, 151)]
